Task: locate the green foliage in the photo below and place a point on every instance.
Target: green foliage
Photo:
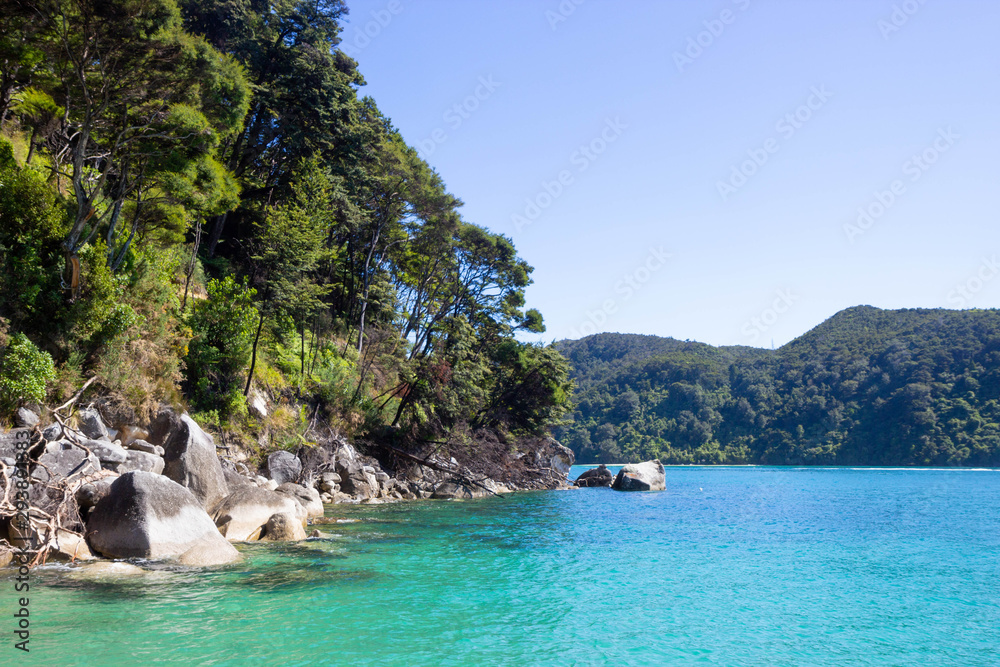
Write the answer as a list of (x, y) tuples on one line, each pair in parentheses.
[(24, 372), (866, 387), (218, 355)]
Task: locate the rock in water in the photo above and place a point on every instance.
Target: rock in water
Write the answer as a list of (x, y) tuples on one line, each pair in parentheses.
[(306, 497), (149, 516), (284, 467), (190, 459), (645, 476), (595, 477), (283, 528), (91, 424), (242, 515)]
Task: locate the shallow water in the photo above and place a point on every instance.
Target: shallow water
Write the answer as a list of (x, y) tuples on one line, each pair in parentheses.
[(729, 566)]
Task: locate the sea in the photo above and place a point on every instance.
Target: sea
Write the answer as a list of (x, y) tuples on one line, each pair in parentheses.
[(728, 566)]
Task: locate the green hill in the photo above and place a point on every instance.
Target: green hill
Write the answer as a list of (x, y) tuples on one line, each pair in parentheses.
[(865, 387)]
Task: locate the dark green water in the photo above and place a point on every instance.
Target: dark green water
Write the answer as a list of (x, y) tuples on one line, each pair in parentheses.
[(729, 566)]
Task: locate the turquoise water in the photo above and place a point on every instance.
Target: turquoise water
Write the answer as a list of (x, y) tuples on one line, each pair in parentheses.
[(729, 566)]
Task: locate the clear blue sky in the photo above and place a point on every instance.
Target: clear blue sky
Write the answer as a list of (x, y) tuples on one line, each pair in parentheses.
[(833, 99)]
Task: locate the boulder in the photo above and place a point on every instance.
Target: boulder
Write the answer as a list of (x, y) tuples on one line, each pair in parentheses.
[(110, 454), (645, 476), (88, 495), (595, 477), (131, 434), (284, 467), (242, 515), (70, 547), (150, 516), (308, 498), (14, 442), (283, 528), (25, 418), (456, 491), (141, 445), (137, 460), (559, 457), (189, 457), (62, 459), (53, 432), (235, 480), (91, 424), (329, 482)]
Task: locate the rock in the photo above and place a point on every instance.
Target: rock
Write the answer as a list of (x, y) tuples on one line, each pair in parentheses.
[(595, 477), (645, 476), (131, 434), (88, 495), (91, 424), (137, 460), (455, 491), (62, 459), (105, 571), (315, 533), (258, 403), (25, 418), (283, 527), (308, 498), (150, 516), (109, 454), (260, 480), (246, 510), (284, 467), (559, 457), (52, 432), (189, 456), (141, 445), (6, 556), (270, 485), (326, 498), (70, 547), (329, 482), (235, 480)]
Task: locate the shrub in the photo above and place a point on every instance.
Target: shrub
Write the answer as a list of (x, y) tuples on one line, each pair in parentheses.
[(24, 372)]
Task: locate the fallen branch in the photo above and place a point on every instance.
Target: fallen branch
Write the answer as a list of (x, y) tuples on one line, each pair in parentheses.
[(77, 395)]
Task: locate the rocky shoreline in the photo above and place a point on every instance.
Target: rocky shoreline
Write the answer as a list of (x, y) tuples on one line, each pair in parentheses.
[(161, 491)]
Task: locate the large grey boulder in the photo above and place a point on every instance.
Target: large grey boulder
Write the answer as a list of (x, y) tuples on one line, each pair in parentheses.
[(243, 514), (645, 476), (149, 516), (91, 424), (107, 452), (284, 467), (595, 477), (137, 460), (189, 457), (62, 459), (308, 498)]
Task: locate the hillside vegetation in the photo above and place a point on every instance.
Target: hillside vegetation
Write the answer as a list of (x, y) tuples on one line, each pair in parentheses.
[(866, 387), (198, 207)]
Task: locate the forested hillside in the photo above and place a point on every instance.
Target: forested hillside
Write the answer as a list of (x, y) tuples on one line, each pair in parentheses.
[(868, 386), (198, 206)]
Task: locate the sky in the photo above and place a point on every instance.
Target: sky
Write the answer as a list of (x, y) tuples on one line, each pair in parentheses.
[(728, 171)]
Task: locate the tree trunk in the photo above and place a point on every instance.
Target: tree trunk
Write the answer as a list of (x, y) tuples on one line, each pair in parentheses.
[(194, 260), (253, 356)]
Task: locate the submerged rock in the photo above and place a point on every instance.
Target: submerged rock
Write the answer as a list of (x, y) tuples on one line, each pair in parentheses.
[(149, 516), (595, 477), (645, 476)]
